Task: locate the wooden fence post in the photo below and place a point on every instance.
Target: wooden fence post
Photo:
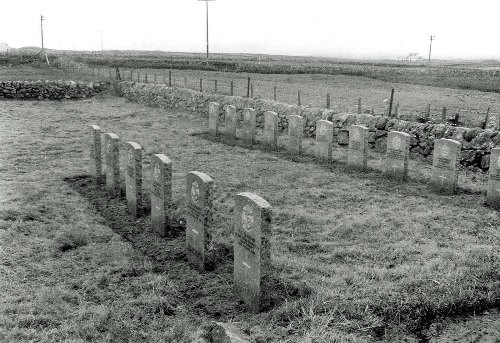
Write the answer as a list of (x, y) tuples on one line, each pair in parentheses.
[(231, 90), (215, 86), (359, 105), (248, 87), (170, 78), (328, 100), (298, 97), (201, 85), (274, 93), (443, 115), (390, 102)]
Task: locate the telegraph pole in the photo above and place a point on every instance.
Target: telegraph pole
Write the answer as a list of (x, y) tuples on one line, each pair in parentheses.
[(430, 48), (41, 28), (102, 47), (206, 3)]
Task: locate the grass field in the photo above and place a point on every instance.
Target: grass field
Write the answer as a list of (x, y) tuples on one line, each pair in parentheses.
[(357, 257)]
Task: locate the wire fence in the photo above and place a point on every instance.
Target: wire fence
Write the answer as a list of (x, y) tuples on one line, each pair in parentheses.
[(264, 87)]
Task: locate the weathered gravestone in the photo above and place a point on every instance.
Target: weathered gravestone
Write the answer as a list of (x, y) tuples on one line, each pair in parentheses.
[(161, 196), (230, 121), (213, 118), (95, 151), (271, 129), (493, 194), (112, 163), (133, 178), (199, 216), (324, 140), (249, 122), (295, 132), (252, 253), (396, 159), (444, 160), (358, 146)]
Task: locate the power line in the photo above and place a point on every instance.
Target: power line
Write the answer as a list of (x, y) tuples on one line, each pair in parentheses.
[(206, 2), (430, 48)]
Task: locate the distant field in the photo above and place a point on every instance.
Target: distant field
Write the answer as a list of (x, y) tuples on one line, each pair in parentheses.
[(357, 257)]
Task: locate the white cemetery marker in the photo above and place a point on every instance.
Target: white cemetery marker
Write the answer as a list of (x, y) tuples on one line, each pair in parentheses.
[(133, 178), (252, 253), (249, 123), (493, 193), (230, 121), (324, 140), (199, 216), (295, 132), (213, 118), (396, 160), (445, 160), (95, 151), (271, 129), (112, 163), (358, 146), (161, 196)]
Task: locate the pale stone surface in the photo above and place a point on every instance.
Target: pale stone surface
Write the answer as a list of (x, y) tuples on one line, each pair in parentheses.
[(213, 118), (324, 140), (95, 151), (271, 129), (444, 161), (295, 132), (112, 142), (493, 193), (397, 152), (358, 146), (227, 333), (161, 195), (249, 123), (133, 177), (199, 216), (230, 120), (252, 254)]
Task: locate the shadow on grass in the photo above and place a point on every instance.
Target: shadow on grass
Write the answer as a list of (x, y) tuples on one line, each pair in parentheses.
[(209, 293)]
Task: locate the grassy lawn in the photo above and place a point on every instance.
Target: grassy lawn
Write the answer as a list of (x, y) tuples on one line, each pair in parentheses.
[(357, 257)]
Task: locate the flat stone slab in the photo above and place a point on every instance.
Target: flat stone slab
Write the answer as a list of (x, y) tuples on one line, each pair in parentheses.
[(199, 216), (444, 162)]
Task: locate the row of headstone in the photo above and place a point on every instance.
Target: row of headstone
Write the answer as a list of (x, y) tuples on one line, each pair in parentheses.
[(252, 221), (446, 155)]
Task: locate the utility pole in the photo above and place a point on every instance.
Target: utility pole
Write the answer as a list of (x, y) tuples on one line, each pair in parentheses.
[(41, 28), (102, 47), (206, 3), (430, 48)]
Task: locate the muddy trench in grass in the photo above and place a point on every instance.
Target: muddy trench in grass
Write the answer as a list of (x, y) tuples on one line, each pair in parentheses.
[(208, 294)]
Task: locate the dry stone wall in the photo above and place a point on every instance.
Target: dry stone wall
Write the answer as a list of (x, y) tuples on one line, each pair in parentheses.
[(476, 143), (51, 90)]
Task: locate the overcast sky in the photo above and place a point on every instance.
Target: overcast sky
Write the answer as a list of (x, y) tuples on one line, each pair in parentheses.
[(348, 28)]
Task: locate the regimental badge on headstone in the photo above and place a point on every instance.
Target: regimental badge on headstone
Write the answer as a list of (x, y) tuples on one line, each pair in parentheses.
[(445, 165), (357, 153), (295, 133), (324, 140), (133, 178), (161, 195), (112, 164), (271, 129), (396, 159), (199, 216), (493, 193), (252, 254)]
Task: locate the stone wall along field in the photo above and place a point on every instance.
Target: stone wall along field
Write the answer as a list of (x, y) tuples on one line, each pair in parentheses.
[(476, 143), (51, 90)]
